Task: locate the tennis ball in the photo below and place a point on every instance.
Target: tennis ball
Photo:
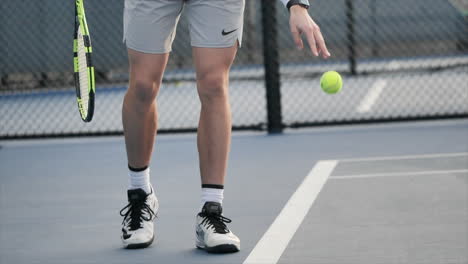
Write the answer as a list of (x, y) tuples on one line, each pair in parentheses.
[(331, 82)]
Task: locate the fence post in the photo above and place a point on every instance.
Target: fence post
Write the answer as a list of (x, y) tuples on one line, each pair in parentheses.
[(375, 32), (3, 51), (463, 39), (351, 33), (271, 64)]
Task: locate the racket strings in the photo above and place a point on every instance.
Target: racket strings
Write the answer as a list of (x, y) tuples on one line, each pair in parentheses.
[(83, 72)]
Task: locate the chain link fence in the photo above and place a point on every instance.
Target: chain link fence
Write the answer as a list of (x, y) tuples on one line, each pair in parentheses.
[(400, 60)]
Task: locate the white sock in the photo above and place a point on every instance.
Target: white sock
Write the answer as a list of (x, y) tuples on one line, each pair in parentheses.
[(212, 195), (140, 180)]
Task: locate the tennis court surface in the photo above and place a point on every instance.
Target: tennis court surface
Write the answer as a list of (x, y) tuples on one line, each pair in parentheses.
[(393, 193)]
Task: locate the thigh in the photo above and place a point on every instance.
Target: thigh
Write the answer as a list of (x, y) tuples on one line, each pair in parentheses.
[(215, 23), (150, 25), (146, 70), (213, 62)]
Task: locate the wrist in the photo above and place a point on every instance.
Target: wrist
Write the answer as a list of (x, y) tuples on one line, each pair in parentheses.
[(297, 9), (304, 4)]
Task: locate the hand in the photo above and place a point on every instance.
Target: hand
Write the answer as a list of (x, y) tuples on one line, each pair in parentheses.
[(301, 23)]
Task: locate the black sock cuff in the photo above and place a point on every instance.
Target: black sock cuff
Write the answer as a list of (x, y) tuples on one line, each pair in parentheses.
[(137, 169), (213, 186)]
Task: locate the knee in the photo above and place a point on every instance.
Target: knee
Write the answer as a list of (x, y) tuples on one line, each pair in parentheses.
[(212, 87), (144, 92), (141, 95)]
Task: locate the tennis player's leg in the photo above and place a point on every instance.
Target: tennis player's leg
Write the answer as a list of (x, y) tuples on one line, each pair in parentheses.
[(214, 128), (139, 118), (149, 29), (216, 31), (139, 114), (214, 137)]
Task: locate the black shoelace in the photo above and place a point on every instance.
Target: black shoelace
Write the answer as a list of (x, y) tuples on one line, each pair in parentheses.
[(135, 211), (217, 221)]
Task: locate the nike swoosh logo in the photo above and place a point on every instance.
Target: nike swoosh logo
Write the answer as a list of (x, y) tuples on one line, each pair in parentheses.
[(125, 235), (224, 33)]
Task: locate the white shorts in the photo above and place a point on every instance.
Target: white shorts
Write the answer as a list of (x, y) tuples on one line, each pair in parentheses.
[(150, 25)]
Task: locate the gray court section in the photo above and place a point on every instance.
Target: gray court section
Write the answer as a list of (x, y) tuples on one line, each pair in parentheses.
[(414, 219), (59, 199)]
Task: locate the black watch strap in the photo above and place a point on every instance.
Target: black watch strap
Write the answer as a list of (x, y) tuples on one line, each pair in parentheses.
[(303, 3)]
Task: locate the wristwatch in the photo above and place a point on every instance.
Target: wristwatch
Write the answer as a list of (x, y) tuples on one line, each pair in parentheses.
[(303, 3)]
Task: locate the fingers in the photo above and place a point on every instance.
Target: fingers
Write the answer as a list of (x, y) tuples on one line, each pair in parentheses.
[(301, 23), (317, 42), (311, 40), (321, 44), (297, 40)]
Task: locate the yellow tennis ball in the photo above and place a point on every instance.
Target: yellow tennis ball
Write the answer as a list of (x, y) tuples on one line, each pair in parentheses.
[(331, 82)]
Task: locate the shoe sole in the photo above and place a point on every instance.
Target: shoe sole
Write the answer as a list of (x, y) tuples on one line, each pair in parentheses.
[(139, 245), (226, 248)]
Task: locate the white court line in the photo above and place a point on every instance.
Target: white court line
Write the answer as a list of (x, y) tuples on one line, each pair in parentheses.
[(393, 65), (422, 156), (271, 246), (396, 174), (371, 96)]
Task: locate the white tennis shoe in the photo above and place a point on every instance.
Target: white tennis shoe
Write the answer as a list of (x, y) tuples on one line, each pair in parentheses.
[(212, 233), (138, 222)]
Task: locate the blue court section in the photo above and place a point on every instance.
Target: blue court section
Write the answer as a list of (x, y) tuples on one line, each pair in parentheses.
[(59, 199)]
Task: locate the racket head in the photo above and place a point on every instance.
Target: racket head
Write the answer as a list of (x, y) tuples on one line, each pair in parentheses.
[(83, 64)]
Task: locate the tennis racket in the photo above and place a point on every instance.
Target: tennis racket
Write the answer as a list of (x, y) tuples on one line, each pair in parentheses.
[(83, 65)]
